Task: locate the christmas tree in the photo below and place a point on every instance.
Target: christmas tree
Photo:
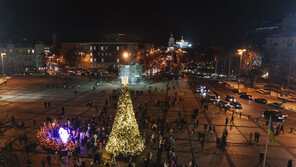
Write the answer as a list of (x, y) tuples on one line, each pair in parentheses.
[(125, 139)]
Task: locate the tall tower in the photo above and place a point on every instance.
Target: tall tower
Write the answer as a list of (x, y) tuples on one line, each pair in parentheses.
[(171, 41), (171, 44)]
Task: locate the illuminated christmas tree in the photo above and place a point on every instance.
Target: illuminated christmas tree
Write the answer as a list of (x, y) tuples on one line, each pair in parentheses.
[(125, 139)]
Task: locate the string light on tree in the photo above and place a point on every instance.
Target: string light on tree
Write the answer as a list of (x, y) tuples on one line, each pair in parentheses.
[(125, 139)]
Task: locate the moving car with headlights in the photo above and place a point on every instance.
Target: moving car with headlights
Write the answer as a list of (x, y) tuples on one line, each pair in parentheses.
[(277, 105), (223, 104), (245, 96), (229, 98), (260, 100), (275, 115), (235, 104)]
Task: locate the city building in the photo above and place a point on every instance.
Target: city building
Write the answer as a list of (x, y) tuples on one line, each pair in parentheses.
[(183, 44), (24, 58), (171, 44), (283, 43), (281, 49), (98, 54)]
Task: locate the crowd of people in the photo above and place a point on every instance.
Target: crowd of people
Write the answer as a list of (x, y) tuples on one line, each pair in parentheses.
[(90, 135)]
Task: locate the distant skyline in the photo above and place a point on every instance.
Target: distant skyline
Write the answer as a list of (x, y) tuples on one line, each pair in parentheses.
[(199, 21)]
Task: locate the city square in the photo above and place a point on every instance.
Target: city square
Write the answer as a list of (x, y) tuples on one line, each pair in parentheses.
[(19, 98), (190, 83)]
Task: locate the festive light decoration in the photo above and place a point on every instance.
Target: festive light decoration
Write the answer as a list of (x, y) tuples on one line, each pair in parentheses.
[(124, 80), (125, 139), (64, 135), (46, 138)]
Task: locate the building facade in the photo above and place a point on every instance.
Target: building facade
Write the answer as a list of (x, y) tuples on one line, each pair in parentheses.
[(283, 43), (281, 50), (183, 44), (20, 59), (98, 54)]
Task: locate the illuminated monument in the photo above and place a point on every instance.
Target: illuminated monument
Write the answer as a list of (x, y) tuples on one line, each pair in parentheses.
[(134, 72), (183, 44)]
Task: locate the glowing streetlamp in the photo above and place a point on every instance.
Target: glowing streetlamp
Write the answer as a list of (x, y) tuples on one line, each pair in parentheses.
[(125, 55), (2, 54), (240, 52)]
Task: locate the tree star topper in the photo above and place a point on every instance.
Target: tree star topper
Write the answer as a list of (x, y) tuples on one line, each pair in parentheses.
[(124, 80)]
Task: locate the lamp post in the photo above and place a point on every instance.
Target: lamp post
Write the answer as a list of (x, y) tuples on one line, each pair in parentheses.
[(2, 54), (125, 56), (240, 52)]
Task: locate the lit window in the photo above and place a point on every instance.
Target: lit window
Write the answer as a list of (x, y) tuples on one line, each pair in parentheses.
[(117, 48), (29, 50), (117, 60), (95, 60), (110, 54), (91, 60), (102, 47), (90, 47), (91, 54), (95, 47), (33, 50), (102, 60)]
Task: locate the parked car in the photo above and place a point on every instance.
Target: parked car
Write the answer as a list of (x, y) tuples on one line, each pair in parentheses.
[(260, 100), (277, 105), (229, 98), (242, 93), (234, 90), (223, 104), (235, 104), (275, 115), (245, 96)]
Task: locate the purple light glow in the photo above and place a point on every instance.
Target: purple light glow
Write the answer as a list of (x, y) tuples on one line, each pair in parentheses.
[(63, 135)]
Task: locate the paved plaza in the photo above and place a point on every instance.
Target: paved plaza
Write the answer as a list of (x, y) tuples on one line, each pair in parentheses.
[(24, 97)]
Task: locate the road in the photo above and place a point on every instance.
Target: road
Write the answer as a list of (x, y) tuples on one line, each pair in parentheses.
[(255, 110), (250, 107)]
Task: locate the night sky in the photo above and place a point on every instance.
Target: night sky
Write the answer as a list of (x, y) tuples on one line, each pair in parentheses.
[(200, 21)]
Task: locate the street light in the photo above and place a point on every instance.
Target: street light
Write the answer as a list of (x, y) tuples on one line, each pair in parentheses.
[(2, 54), (240, 52), (125, 55)]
